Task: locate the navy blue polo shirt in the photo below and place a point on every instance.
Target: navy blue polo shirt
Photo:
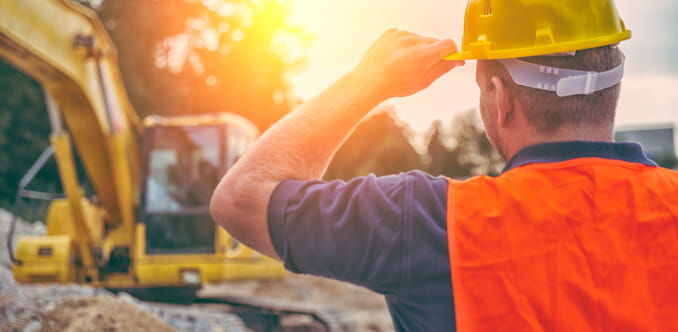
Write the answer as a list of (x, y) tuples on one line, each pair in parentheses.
[(389, 234)]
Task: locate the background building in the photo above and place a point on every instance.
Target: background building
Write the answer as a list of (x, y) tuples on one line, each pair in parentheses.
[(657, 140)]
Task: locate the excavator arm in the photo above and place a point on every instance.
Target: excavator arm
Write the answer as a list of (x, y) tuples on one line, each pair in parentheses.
[(65, 48)]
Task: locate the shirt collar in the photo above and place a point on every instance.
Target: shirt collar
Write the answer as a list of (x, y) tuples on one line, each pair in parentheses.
[(562, 151)]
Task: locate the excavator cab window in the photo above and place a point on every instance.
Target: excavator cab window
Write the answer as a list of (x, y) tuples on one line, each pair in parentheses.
[(184, 165)]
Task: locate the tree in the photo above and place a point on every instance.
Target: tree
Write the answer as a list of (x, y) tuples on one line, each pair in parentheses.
[(469, 152), (444, 160), (379, 145), (24, 134), (438, 154), (189, 56)]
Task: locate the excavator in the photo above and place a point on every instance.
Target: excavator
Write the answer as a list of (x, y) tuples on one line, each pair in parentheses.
[(146, 227)]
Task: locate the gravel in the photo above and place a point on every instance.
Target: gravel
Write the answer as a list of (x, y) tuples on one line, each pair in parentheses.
[(35, 307)]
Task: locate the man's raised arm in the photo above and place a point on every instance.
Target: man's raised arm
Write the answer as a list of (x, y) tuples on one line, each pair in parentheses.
[(301, 145)]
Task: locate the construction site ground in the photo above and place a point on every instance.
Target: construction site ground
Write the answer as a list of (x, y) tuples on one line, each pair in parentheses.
[(71, 308)]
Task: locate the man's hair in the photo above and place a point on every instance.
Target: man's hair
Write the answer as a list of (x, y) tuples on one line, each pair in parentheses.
[(546, 111)]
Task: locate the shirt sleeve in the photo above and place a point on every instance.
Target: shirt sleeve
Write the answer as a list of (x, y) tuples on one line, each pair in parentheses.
[(354, 231)]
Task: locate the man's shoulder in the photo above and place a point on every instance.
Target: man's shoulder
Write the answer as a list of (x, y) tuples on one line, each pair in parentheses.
[(422, 186), (412, 185), (418, 177), (415, 176)]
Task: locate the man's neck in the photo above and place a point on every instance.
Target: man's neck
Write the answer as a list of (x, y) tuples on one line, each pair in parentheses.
[(565, 134)]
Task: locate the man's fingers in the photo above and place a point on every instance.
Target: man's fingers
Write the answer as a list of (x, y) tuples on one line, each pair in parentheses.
[(439, 69), (406, 62), (442, 48)]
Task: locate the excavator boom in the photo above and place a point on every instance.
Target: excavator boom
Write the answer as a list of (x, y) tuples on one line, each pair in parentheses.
[(65, 48)]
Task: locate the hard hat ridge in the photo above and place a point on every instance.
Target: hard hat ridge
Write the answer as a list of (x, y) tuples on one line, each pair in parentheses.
[(503, 29)]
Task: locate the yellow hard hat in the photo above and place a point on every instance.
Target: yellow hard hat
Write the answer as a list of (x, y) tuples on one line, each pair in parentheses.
[(501, 29)]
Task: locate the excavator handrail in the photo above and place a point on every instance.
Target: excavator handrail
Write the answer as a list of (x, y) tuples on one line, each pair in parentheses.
[(20, 193)]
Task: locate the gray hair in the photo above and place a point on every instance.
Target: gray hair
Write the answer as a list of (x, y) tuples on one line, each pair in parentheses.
[(547, 112)]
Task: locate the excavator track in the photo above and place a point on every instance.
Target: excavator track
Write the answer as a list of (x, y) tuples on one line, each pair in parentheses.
[(261, 315), (257, 314)]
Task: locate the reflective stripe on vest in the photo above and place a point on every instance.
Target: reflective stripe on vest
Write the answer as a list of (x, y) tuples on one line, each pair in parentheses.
[(583, 245)]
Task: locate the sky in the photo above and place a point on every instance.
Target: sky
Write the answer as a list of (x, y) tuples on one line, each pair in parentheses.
[(344, 29)]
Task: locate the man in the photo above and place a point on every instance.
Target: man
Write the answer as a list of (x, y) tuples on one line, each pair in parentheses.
[(577, 234)]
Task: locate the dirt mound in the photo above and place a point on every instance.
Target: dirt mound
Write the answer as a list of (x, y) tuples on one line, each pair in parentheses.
[(100, 313)]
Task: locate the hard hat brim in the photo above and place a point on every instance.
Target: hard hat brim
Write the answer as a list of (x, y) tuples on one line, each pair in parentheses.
[(459, 56), (537, 51)]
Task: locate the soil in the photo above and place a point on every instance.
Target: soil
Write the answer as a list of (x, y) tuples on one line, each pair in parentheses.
[(84, 314)]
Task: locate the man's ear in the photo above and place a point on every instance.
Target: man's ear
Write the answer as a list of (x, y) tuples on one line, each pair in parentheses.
[(504, 101)]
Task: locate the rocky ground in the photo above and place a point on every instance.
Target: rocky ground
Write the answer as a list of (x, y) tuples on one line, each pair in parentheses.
[(357, 308), (71, 308)]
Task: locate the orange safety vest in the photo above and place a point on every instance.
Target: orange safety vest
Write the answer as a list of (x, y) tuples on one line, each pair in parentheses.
[(587, 244)]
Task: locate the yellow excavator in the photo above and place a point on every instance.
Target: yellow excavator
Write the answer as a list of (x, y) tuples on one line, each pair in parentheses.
[(147, 225)]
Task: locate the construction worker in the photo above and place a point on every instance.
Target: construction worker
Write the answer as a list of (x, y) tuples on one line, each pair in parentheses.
[(577, 234)]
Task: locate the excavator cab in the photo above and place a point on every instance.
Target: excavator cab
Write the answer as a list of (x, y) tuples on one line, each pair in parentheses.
[(178, 243), (183, 167)]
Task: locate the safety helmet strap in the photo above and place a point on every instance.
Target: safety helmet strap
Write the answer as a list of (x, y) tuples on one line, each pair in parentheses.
[(564, 82)]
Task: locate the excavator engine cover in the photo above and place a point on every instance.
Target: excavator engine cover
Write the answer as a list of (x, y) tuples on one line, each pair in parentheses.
[(45, 259)]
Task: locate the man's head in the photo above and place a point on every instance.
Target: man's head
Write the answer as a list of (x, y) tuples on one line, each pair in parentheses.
[(511, 111), (531, 96)]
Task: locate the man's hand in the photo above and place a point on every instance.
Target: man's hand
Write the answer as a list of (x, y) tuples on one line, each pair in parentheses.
[(301, 145), (401, 63)]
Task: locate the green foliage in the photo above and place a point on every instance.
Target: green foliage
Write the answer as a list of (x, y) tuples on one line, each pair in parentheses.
[(24, 134)]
